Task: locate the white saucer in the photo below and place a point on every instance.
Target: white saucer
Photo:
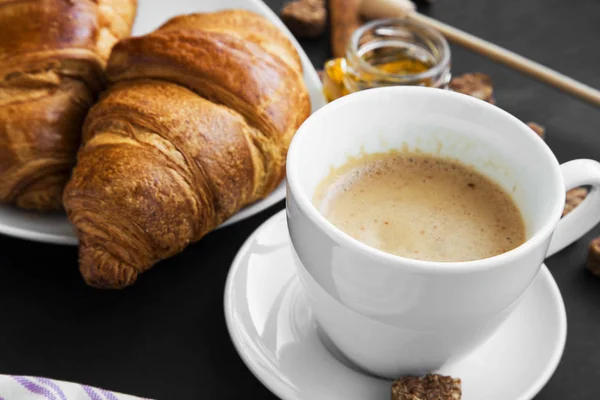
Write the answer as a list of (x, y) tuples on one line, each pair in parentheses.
[(274, 331), (55, 227)]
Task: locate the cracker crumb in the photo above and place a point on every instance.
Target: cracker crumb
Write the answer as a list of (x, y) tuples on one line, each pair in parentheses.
[(574, 198), (476, 84), (593, 260), (305, 18), (540, 130), (430, 387)]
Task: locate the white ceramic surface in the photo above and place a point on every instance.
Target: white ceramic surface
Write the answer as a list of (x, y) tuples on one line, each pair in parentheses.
[(275, 333), (55, 227), (410, 316)]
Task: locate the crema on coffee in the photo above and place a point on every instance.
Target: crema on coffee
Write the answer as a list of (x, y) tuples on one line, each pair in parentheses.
[(421, 206)]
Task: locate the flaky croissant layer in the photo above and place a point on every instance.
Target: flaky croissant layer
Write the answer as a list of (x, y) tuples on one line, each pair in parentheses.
[(52, 56), (195, 126)]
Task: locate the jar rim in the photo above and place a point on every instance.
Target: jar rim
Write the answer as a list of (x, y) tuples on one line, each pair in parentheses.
[(353, 48)]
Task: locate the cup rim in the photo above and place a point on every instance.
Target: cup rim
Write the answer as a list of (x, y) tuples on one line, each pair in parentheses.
[(293, 171)]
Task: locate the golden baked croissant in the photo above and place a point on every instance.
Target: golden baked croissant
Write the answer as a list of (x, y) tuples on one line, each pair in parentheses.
[(52, 56), (195, 125)]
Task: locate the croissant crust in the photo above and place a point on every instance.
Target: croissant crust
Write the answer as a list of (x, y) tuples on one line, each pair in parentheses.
[(52, 58), (195, 126)]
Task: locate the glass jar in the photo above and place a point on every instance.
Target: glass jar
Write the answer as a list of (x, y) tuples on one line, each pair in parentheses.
[(389, 52)]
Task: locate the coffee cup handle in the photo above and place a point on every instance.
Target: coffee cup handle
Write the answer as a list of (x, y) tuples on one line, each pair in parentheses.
[(585, 216)]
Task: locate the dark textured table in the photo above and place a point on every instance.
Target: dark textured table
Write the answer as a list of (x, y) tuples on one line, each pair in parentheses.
[(165, 337)]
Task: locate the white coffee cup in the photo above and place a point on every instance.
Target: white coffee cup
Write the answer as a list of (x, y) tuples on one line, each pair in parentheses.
[(392, 315)]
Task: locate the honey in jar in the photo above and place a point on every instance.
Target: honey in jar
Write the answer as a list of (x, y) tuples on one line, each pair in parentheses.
[(389, 53)]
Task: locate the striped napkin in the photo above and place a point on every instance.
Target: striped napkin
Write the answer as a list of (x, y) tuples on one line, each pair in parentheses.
[(13, 387)]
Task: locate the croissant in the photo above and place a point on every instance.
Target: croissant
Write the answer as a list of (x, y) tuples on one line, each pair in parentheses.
[(52, 57), (194, 126)]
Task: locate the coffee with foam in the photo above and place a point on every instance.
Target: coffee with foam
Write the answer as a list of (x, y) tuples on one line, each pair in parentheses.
[(422, 207)]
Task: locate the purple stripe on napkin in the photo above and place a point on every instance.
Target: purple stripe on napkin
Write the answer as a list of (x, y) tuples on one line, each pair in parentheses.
[(34, 387), (92, 393), (54, 386), (107, 394)]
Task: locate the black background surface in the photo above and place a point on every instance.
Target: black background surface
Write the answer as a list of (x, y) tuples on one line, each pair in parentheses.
[(165, 337)]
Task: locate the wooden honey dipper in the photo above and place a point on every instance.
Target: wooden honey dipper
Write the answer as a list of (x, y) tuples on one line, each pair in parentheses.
[(375, 9)]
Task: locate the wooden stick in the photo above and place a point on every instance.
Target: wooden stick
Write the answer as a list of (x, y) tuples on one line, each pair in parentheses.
[(399, 9), (513, 60), (345, 19)]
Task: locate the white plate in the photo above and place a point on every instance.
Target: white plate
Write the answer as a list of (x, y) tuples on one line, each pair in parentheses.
[(274, 331), (56, 228)]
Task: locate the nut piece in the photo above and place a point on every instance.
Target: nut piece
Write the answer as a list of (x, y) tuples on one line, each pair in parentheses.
[(540, 130), (593, 260), (305, 18), (430, 387), (574, 198), (476, 84)]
